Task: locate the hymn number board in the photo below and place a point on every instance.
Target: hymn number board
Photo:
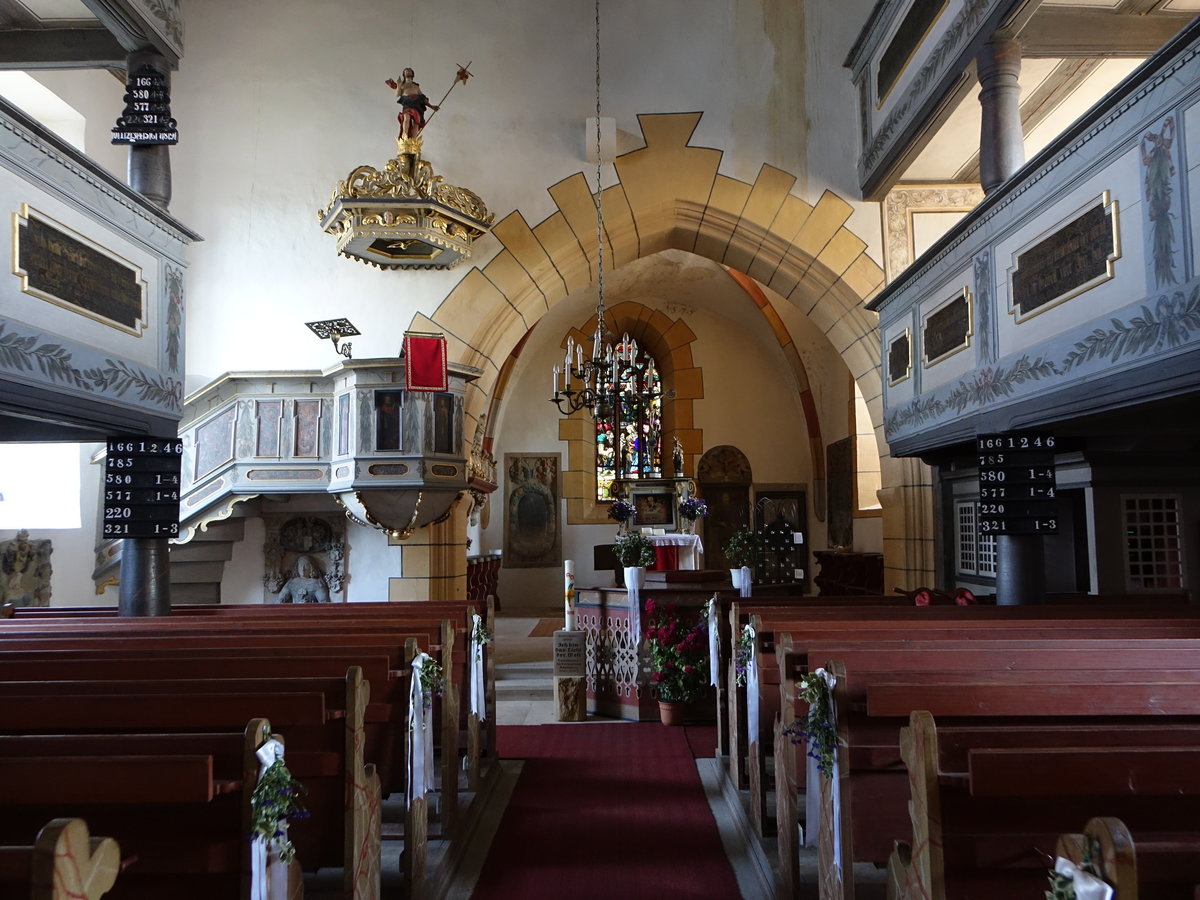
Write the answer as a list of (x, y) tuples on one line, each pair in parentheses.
[(141, 487), (1016, 483)]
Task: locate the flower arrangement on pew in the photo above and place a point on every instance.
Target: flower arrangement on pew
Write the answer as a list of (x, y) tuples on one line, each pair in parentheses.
[(818, 729), (274, 802), (1065, 874), (678, 652), (433, 682), (742, 654)]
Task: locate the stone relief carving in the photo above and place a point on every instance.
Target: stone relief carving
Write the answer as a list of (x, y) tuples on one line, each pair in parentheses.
[(25, 570), (305, 558)]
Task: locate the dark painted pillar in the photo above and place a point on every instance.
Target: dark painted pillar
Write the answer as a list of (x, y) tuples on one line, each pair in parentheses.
[(1020, 570), (1001, 142), (145, 568), (150, 165), (145, 578)]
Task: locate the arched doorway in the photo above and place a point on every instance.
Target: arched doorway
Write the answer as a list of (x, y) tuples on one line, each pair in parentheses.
[(724, 478)]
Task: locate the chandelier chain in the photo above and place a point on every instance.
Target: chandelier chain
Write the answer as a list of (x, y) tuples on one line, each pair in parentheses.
[(599, 208)]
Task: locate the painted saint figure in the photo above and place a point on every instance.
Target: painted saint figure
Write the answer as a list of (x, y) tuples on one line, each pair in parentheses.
[(413, 104)]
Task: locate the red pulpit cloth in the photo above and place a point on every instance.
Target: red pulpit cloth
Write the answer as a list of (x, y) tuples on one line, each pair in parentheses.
[(425, 363)]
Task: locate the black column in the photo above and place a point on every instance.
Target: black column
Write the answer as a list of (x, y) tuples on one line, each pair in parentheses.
[(145, 568), (145, 578), (1020, 570), (150, 165)]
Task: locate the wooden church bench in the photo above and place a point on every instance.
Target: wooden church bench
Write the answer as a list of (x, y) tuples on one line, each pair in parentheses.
[(176, 811), (889, 621), (439, 637), (64, 863), (893, 624), (872, 753), (1150, 866), (988, 830), (315, 729)]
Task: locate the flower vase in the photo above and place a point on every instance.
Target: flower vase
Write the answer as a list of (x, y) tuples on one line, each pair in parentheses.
[(689, 526), (671, 712)]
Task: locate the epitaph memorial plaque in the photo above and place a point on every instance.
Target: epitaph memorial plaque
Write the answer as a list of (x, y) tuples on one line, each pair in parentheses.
[(1075, 257), (70, 271), (947, 329), (899, 359), (141, 487)]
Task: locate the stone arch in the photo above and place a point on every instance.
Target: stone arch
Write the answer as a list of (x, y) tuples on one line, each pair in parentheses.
[(670, 195)]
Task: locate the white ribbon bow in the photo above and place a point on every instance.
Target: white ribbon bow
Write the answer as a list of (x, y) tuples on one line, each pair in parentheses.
[(752, 688), (478, 706), (1087, 886), (714, 645), (812, 788), (420, 744), (260, 848)]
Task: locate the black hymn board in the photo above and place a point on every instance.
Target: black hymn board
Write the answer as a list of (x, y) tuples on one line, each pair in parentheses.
[(147, 116), (1016, 483), (141, 487)]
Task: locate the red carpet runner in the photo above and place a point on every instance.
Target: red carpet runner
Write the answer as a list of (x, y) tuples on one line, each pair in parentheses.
[(605, 811)]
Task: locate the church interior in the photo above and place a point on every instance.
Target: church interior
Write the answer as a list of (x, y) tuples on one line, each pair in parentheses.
[(873, 330)]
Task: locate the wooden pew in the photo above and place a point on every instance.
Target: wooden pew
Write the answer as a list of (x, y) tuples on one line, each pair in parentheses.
[(274, 626), (890, 623), (343, 794), (987, 830), (873, 750), (884, 618), (1159, 867), (64, 863), (176, 811), (233, 633)]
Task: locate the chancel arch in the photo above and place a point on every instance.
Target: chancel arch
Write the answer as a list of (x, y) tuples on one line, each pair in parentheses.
[(671, 196)]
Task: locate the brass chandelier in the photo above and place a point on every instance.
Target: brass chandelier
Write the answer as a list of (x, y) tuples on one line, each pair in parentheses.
[(603, 382)]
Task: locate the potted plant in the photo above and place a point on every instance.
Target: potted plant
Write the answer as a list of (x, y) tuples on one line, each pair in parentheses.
[(690, 510), (741, 550), (634, 549), (678, 658)]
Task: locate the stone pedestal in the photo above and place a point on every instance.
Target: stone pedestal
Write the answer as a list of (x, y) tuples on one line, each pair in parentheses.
[(570, 683)]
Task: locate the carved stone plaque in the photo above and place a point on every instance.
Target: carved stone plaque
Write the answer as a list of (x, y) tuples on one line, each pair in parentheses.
[(1071, 259), (947, 329), (899, 360), (73, 273)]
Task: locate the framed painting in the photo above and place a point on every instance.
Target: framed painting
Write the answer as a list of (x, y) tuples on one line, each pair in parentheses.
[(532, 524), (654, 508)]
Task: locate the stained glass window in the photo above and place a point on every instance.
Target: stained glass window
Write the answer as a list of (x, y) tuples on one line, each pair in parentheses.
[(629, 438)]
